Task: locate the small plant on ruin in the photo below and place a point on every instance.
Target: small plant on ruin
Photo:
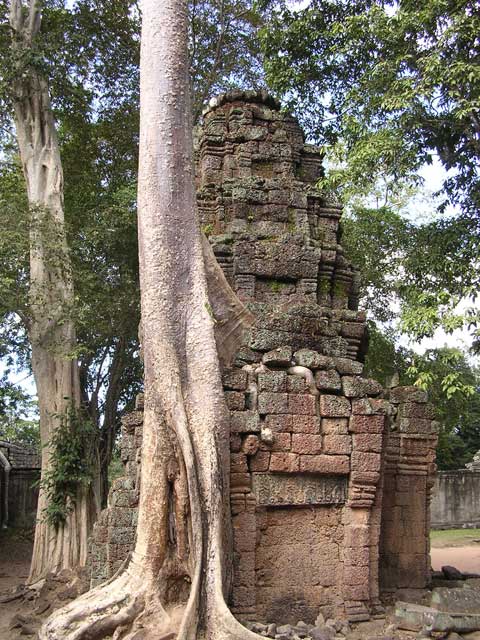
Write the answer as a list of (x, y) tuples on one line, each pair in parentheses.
[(72, 448), (207, 229)]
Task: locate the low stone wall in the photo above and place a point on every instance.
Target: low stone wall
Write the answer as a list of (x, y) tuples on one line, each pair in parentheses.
[(456, 500), (19, 475), (114, 532), (23, 497)]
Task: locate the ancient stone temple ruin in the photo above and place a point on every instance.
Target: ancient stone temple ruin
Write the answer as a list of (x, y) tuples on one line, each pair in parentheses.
[(330, 473)]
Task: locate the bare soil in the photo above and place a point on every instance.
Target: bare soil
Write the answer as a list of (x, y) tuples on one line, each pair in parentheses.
[(23, 609), (466, 559), (15, 553)]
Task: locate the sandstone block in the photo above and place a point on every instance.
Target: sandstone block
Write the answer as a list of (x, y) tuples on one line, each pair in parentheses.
[(235, 442), (238, 463), (281, 357), (334, 406), (367, 424), (416, 410), (353, 329), (407, 394), (313, 359), (335, 426), (235, 400), (357, 387), (235, 379), (371, 406), (356, 592), (371, 442), (240, 482), (328, 380), (305, 424), (260, 461), (306, 443), (301, 404), (335, 465), (279, 423), (244, 421), (359, 556), (284, 462), (281, 442), (415, 425), (348, 367), (237, 503), (337, 444), (272, 381), (269, 402), (297, 384), (356, 574), (362, 461), (244, 526), (357, 536)]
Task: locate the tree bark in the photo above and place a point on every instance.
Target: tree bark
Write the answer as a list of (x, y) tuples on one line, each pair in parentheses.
[(177, 579), (50, 327)]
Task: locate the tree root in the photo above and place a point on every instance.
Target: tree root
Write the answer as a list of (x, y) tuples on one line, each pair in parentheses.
[(120, 608), (129, 608)]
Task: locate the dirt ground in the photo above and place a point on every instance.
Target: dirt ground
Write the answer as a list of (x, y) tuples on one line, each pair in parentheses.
[(15, 553), (466, 559), (459, 548)]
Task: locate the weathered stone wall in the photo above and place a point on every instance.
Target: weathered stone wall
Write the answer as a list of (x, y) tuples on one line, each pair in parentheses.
[(114, 532), (456, 499), (304, 452), (311, 439), (18, 485)]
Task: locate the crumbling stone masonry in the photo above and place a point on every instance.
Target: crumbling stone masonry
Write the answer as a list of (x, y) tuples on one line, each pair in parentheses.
[(330, 473)]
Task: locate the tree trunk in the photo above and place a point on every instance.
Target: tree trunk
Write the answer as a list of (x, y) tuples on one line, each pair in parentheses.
[(51, 330), (176, 581)]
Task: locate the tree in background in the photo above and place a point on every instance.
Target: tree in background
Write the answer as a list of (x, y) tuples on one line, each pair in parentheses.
[(385, 87), (90, 54), (50, 328)]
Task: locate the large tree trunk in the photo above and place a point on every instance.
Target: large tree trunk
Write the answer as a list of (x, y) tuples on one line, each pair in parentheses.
[(51, 330), (178, 575)]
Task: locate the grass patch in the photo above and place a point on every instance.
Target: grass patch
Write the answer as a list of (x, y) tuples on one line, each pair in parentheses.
[(454, 537)]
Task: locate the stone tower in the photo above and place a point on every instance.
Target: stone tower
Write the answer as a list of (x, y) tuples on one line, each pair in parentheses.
[(326, 466)]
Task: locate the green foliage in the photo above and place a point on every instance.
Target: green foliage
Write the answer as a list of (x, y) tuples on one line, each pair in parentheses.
[(88, 50), (377, 241), (18, 410), (116, 468), (207, 229), (453, 385), (386, 87), (385, 358), (71, 449)]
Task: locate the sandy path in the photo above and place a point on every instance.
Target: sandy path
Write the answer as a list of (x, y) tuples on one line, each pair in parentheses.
[(463, 558)]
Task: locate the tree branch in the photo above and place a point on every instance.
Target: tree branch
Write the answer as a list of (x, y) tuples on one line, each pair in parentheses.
[(34, 19), (16, 16)]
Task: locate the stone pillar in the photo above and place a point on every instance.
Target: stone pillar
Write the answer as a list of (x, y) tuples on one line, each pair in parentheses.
[(367, 425), (409, 476)]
